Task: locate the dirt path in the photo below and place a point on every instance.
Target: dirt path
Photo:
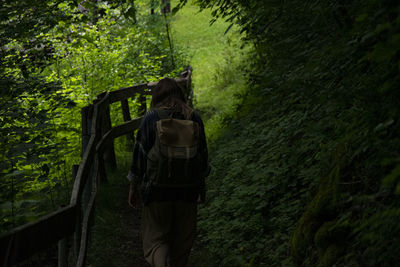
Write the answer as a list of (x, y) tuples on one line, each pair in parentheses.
[(132, 240), (116, 233)]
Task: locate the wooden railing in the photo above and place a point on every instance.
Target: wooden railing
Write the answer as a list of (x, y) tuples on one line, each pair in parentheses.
[(75, 219)]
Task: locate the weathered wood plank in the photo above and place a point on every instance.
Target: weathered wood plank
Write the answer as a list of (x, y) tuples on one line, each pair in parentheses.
[(127, 92), (117, 131), (88, 216), (88, 156), (26, 240), (143, 107)]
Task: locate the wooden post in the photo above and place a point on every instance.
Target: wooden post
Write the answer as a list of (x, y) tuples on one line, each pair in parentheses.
[(86, 124), (78, 226), (101, 129), (142, 107), (127, 117), (87, 189), (62, 253), (109, 152), (125, 110)]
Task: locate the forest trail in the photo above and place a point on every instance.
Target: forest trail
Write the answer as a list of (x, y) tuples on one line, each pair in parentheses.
[(314, 181), (116, 237), (116, 232)]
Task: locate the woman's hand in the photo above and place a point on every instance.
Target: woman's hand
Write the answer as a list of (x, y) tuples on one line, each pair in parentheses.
[(202, 197), (133, 199)]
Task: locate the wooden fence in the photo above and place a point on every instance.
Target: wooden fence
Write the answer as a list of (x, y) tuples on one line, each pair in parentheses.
[(97, 145)]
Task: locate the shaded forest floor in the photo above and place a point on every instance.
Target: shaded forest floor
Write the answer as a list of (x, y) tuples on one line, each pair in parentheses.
[(116, 237)]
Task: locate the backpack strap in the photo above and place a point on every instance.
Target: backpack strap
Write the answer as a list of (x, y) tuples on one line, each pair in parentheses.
[(190, 117), (165, 114), (162, 113)]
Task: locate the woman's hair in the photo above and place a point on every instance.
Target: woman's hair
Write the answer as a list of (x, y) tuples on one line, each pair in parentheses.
[(168, 94)]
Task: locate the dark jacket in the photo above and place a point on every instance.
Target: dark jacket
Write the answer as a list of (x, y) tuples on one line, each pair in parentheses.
[(145, 140)]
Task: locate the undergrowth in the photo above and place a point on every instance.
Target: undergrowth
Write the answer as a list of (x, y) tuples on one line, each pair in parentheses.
[(308, 175)]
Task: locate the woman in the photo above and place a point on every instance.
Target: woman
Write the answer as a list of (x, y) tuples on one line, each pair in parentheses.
[(169, 213)]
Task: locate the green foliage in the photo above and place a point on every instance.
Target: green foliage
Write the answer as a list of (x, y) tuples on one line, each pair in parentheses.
[(376, 236), (29, 105), (56, 57), (317, 148), (111, 54), (254, 196)]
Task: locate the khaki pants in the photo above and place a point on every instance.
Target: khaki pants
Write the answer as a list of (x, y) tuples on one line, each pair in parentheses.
[(168, 231)]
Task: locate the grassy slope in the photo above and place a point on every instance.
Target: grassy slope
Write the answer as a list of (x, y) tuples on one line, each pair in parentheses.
[(298, 180), (215, 59), (219, 86), (204, 43)]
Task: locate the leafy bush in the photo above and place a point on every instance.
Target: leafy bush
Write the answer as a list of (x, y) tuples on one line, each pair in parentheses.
[(309, 177), (57, 64)]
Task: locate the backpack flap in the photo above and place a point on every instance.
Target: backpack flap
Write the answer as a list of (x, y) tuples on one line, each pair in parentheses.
[(174, 159), (178, 138)]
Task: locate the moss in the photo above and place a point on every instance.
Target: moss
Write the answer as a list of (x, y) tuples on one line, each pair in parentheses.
[(303, 236), (331, 255), (323, 205), (324, 236), (331, 232), (320, 209), (298, 242)]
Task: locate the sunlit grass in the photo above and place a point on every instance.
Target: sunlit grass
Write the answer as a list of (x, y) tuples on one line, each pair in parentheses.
[(215, 58)]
